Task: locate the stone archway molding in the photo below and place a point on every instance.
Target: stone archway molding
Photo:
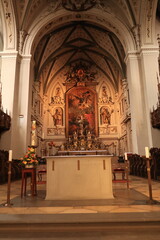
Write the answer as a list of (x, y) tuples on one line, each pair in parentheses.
[(46, 24)]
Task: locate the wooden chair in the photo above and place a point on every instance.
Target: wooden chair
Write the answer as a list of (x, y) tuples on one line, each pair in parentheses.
[(25, 173), (120, 168), (41, 172), (40, 176)]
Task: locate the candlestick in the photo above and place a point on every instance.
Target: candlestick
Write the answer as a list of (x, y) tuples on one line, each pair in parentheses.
[(33, 134), (8, 203), (43, 135), (125, 156), (147, 152), (10, 156)]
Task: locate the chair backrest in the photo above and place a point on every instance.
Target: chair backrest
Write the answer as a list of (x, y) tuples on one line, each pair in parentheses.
[(118, 165)]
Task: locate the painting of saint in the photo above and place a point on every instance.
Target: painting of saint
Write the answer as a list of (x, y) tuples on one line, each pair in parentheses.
[(80, 107)]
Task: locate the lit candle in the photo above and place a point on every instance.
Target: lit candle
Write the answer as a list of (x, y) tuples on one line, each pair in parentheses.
[(33, 142), (10, 155), (33, 134), (125, 156), (43, 135), (147, 152)]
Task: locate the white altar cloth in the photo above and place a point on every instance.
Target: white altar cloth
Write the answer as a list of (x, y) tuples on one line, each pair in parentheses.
[(79, 177)]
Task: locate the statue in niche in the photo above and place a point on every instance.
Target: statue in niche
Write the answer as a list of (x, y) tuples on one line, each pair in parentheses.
[(104, 95), (57, 117), (57, 98), (105, 116)]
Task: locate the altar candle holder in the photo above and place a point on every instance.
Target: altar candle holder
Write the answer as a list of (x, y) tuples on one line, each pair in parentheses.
[(151, 201), (8, 203), (149, 180)]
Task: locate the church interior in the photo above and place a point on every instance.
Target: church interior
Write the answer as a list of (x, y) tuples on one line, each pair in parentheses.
[(80, 89)]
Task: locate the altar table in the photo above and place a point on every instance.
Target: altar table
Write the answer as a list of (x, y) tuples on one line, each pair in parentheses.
[(79, 177)]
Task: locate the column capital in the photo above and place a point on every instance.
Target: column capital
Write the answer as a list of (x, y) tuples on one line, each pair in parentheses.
[(132, 55), (9, 54)]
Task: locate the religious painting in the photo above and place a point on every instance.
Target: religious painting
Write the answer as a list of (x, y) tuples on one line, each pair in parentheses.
[(81, 111)]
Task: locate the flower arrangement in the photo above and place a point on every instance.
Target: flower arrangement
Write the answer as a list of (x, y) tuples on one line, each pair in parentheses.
[(29, 158), (51, 144), (52, 148)]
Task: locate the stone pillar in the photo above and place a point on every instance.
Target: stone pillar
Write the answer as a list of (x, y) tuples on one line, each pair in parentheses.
[(25, 101), (149, 63), (16, 98), (139, 116), (10, 81)]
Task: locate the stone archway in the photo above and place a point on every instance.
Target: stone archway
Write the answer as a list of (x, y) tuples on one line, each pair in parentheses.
[(30, 46), (46, 23)]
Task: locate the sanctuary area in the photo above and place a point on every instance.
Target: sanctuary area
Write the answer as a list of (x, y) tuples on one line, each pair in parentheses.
[(80, 107)]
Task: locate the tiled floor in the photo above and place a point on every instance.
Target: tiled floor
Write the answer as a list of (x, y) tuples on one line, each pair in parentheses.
[(128, 216), (126, 201)]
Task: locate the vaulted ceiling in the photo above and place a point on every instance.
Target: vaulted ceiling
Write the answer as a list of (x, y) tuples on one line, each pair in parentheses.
[(78, 41)]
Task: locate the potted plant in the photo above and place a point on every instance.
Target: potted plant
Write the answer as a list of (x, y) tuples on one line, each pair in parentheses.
[(29, 160)]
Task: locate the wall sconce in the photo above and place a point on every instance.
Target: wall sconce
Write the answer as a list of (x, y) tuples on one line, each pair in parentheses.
[(21, 116)]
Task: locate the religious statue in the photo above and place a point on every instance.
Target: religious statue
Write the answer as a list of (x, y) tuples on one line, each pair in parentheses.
[(104, 95), (75, 145), (81, 135), (89, 145), (105, 116), (57, 98), (89, 136), (57, 117), (82, 144), (75, 135)]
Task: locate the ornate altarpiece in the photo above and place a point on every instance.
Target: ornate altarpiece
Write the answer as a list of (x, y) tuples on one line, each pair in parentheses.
[(81, 101), (81, 111)]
